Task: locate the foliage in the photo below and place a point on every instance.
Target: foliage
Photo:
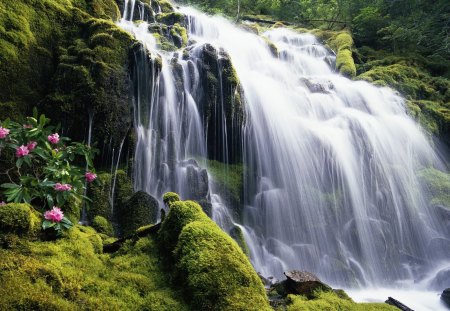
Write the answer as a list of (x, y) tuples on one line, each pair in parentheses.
[(46, 167), (332, 302)]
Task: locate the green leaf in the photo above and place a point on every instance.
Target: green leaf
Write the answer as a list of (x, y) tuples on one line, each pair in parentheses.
[(47, 224), (10, 186), (19, 162)]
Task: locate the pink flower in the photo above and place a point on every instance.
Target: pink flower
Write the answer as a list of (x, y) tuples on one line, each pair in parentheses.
[(90, 177), (54, 138), (54, 215), (31, 145), (22, 151), (2, 203), (62, 187), (27, 126), (3, 132)]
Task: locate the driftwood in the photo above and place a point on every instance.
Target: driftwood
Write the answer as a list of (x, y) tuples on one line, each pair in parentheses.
[(139, 233), (394, 302)]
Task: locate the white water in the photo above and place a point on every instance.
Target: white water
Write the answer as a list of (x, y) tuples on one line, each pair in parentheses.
[(332, 162)]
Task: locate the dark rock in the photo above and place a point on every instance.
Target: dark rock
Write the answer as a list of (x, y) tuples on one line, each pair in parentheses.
[(317, 87), (304, 283), (445, 297), (140, 210)]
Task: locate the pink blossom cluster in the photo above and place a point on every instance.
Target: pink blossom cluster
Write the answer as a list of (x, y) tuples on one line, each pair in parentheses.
[(22, 151), (54, 138), (31, 145), (2, 203), (90, 177), (3, 132), (62, 187), (54, 215)]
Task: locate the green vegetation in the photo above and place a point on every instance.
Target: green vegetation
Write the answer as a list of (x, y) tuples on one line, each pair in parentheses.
[(229, 180), (213, 271), (170, 197), (20, 219), (72, 273), (332, 302), (102, 225), (438, 186)]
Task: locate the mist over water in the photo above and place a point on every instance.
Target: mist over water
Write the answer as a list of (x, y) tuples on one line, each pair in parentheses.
[(331, 164)]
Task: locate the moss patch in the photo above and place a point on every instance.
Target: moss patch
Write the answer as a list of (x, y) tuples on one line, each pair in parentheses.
[(438, 186), (332, 302), (20, 219), (71, 273), (214, 272), (102, 225)]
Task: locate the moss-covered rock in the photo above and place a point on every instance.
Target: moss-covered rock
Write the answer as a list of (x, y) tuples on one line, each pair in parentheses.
[(170, 197), (171, 18), (141, 209), (179, 35), (331, 301), (437, 184), (214, 272), (72, 274), (19, 219), (99, 193), (102, 225)]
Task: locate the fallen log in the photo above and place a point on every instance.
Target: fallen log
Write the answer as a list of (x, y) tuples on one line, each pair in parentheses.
[(394, 302), (139, 233)]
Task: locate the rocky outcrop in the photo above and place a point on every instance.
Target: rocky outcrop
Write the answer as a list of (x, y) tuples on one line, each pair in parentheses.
[(445, 297), (141, 209), (304, 283)]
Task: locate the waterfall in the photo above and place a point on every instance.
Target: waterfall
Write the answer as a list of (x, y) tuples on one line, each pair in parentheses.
[(331, 164)]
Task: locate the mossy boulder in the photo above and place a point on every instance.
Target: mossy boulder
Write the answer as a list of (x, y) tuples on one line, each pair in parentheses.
[(171, 18), (213, 271), (141, 209), (170, 197), (102, 225), (19, 219)]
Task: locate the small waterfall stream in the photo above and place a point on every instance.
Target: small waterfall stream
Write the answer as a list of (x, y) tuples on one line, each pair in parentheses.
[(331, 164)]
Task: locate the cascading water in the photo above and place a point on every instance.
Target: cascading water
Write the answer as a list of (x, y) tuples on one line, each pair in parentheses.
[(331, 163)]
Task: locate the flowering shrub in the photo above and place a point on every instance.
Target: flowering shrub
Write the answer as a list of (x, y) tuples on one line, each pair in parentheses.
[(44, 172)]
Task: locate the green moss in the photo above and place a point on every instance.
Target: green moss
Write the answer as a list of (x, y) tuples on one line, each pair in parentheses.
[(342, 43), (216, 273), (438, 186), (140, 210), (345, 63), (71, 274), (102, 225), (179, 35), (331, 301), (272, 47), (171, 18), (228, 180), (19, 218), (238, 236), (180, 214), (166, 6), (99, 193), (170, 197)]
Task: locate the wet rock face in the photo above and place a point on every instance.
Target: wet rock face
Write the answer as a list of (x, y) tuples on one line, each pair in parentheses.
[(445, 297), (303, 283), (441, 280), (220, 105)]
